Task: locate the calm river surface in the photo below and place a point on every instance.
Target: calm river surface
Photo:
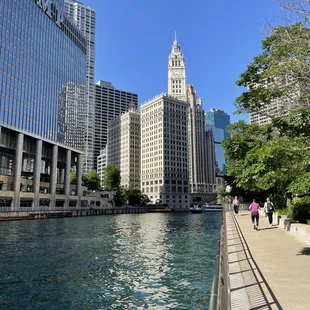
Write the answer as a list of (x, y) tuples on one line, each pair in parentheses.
[(143, 261)]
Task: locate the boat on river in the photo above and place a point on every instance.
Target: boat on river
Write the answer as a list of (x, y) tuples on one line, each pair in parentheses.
[(212, 208), (196, 209), (206, 208)]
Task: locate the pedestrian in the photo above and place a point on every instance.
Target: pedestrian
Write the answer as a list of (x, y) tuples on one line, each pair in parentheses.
[(254, 208), (269, 209), (236, 204)]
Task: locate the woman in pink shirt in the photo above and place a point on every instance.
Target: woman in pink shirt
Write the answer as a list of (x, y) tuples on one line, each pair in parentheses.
[(254, 207)]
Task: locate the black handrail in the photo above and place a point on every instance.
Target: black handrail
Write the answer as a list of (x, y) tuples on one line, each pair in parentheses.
[(220, 291)]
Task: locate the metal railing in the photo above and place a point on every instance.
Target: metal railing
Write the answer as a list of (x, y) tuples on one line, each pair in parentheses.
[(242, 207), (62, 209), (220, 291)]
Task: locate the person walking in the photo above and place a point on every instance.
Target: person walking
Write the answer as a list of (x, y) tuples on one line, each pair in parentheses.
[(269, 209), (254, 208), (236, 204)]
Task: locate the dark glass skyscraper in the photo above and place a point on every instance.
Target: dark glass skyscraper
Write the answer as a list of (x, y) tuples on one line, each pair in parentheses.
[(217, 121), (42, 102)]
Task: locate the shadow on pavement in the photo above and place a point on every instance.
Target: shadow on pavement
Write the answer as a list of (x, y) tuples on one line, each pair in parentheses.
[(268, 228), (304, 251)]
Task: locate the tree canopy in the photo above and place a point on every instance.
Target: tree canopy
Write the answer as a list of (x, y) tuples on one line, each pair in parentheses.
[(274, 159), (281, 71), (91, 180), (271, 158), (112, 177)]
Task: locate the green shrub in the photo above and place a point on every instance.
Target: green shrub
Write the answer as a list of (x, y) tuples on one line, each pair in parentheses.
[(301, 209), (286, 211)]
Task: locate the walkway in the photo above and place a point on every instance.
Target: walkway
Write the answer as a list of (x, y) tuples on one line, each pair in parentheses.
[(269, 269)]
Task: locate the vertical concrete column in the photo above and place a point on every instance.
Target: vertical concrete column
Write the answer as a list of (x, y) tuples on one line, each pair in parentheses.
[(62, 176), (18, 168), (37, 173), (67, 173), (79, 179), (53, 176)]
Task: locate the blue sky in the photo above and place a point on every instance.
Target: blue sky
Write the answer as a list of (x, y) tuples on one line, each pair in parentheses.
[(218, 39)]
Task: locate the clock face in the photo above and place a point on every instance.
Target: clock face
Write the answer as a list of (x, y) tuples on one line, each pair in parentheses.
[(176, 73)]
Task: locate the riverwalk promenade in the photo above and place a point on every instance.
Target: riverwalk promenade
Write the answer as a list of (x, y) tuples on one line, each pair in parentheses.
[(269, 268)]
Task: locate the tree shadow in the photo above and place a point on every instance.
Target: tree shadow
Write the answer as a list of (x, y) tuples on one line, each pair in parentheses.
[(304, 251), (268, 228)]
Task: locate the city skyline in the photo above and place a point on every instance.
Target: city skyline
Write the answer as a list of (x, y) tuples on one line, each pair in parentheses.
[(217, 47)]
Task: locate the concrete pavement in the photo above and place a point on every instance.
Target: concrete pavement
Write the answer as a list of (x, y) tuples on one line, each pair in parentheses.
[(269, 268)]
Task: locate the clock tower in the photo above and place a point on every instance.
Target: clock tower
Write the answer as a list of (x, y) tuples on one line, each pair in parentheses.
[(176, 73)]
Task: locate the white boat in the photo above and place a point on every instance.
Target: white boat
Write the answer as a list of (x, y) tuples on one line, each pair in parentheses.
[(212, 208), (196, 209)]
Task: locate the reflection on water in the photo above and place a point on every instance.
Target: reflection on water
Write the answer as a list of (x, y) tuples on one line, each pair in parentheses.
[(143, 261)]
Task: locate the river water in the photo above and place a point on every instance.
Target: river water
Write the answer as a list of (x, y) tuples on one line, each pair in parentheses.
[(129, 261)]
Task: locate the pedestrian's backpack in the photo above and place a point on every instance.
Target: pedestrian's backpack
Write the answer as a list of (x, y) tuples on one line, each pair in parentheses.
[(269, 207)]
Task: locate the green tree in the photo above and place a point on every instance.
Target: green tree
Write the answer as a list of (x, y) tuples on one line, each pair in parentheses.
[(269, 158), (73, 177), (134, 196), (119, 197), (243, 138), (91, 180), (301, 185), (145, 199), (112, 177), (284, 57)]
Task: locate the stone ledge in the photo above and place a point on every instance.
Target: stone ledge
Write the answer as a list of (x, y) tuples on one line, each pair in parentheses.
[(302, 231)]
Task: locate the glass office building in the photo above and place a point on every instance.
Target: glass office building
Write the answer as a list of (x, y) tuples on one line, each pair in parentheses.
[(42, 103), (217, 121)]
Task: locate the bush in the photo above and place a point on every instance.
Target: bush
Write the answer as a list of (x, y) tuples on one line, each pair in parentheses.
[(286, 211), (301, 209)]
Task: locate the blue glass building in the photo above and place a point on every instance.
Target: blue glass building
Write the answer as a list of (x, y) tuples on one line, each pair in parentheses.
[(42, 104), (217, 121)]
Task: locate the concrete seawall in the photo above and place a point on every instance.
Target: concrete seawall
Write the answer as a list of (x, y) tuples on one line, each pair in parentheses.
[(44, 214)]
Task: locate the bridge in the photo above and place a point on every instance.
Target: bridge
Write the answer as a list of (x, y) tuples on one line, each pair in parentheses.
[(265, 269)]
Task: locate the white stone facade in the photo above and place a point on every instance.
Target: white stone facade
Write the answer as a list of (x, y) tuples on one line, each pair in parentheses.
[(176, 73), (197, 145), (164, 151), (102, 163), (124, 146)]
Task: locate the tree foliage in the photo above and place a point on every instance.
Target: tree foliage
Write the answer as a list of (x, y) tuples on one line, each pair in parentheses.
[(91, 180), (112, 177), (73, 177), (280, 72), (272, 158), (275, 158), (134, 196)]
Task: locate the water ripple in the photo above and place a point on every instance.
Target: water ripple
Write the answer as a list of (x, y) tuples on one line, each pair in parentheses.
[(145, 261)]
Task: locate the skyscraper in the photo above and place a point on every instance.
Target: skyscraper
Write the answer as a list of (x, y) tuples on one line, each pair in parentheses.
[(210, 161), (217, 121), (197, 143), (197, 165), (124, 146), (42, 86), (109, 104), (85, 19), (164, 156)]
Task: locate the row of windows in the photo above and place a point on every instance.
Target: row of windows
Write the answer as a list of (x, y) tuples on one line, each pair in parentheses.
[(35, 95)]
